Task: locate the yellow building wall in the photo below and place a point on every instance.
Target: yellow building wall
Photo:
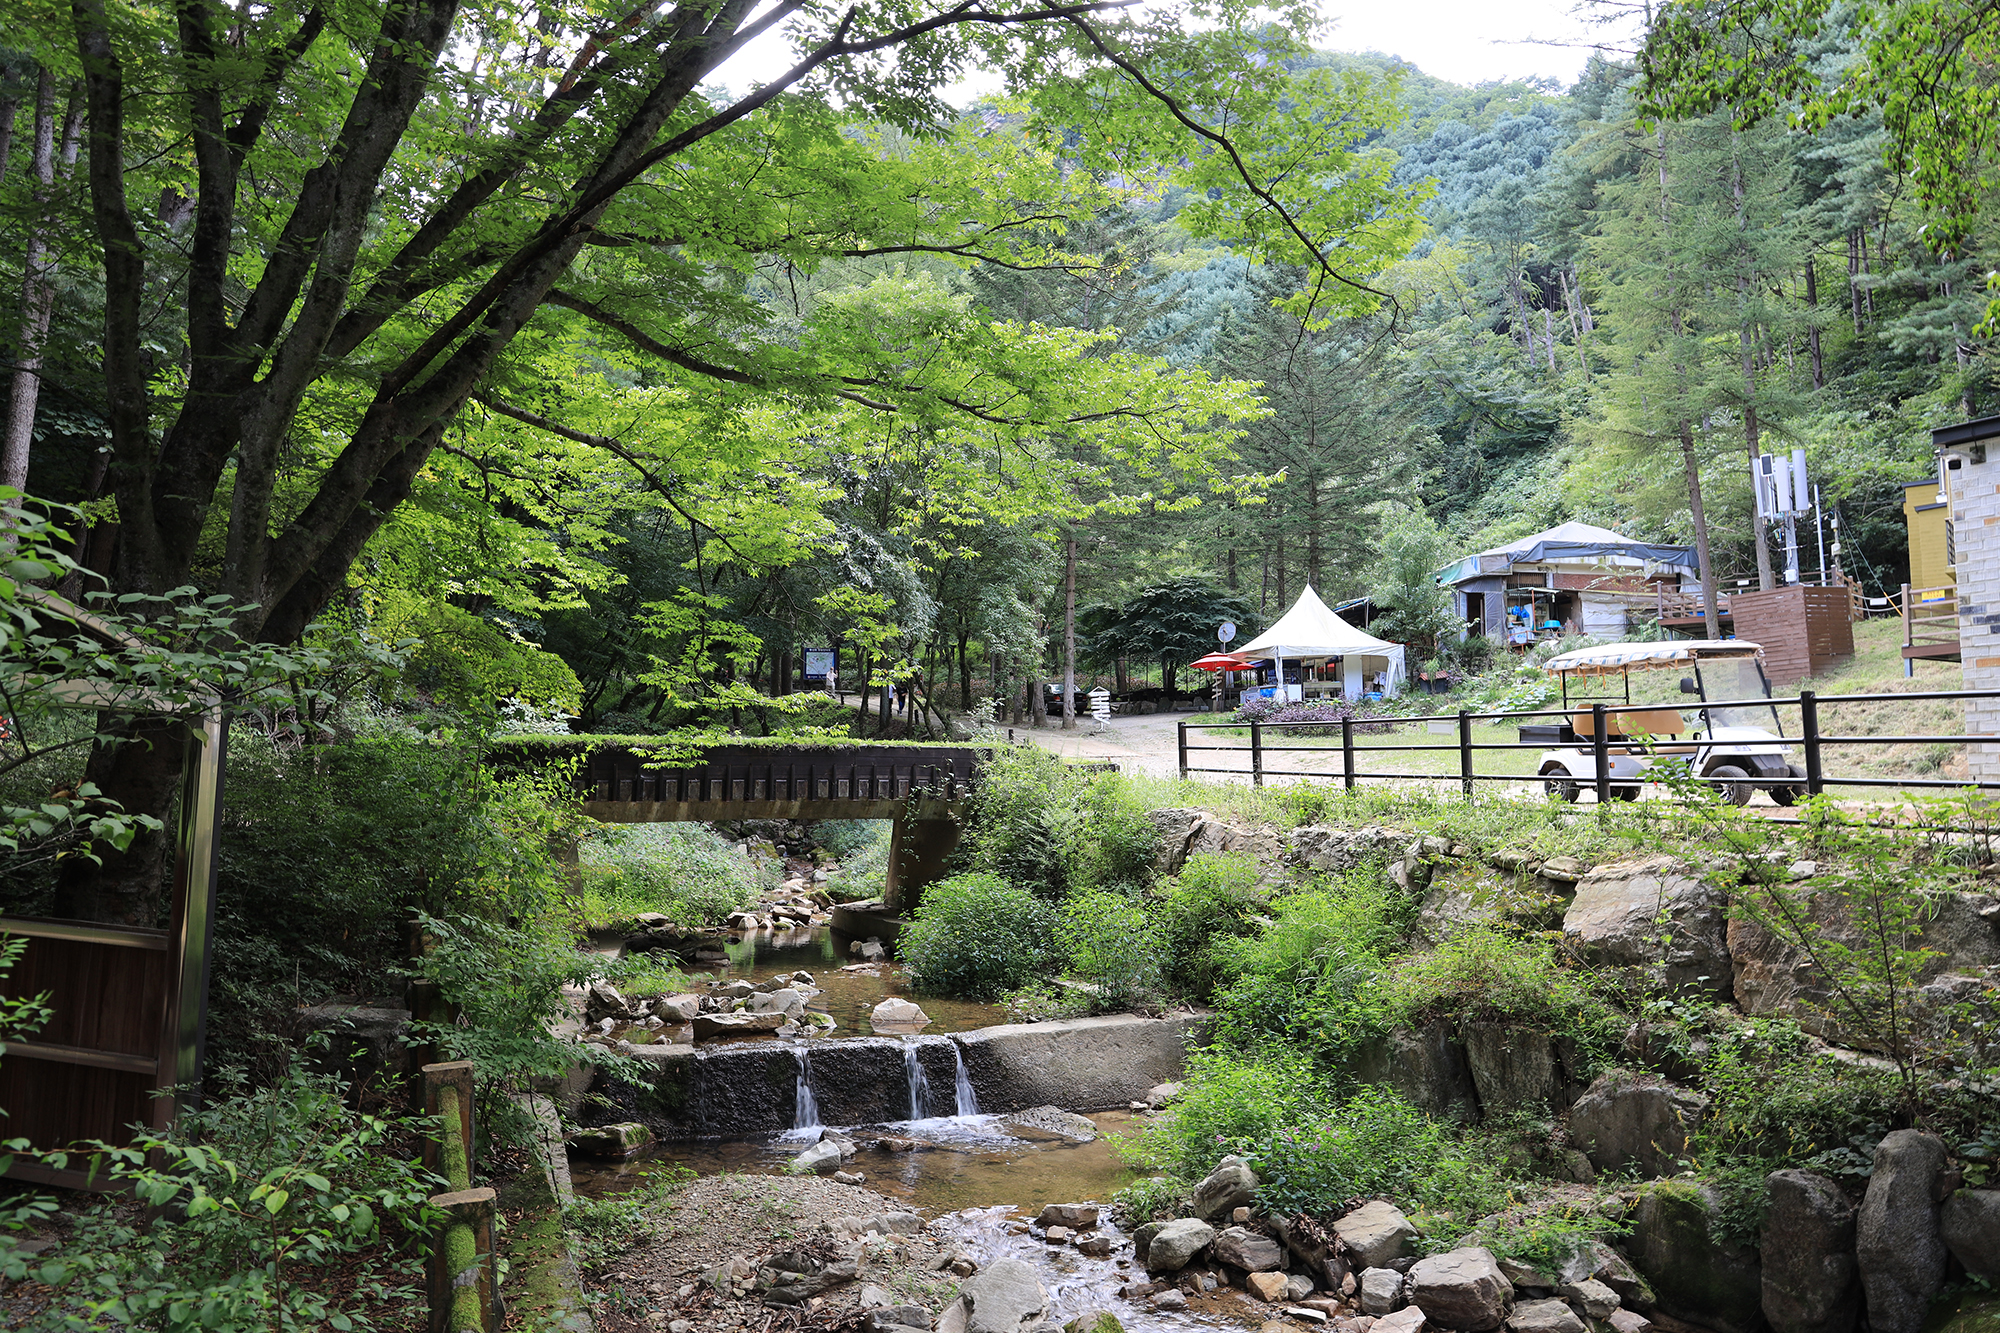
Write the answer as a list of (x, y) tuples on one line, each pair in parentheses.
[(1926, 519)]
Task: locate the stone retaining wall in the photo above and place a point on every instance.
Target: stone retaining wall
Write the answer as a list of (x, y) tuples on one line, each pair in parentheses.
[(1087, 1064)]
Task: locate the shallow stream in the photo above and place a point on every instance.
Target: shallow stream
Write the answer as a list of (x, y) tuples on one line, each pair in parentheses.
[(982, 1179)]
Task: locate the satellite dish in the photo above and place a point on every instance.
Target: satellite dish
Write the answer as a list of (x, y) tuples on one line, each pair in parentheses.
[(1226, 631)]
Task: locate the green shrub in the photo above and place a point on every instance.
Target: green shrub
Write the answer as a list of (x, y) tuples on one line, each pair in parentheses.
[(864, 866), (978, 936), (1145, 1200), (1021, 811), (686, 872), (509, 985), (1107, 941), (1373, 1145), (1486, 974), (327, 850), (1047, 827), (842, 838), (283, 1209), (1229, 1103), (1314, 979), (1116, 841), (1212, 900), (601, 1229)]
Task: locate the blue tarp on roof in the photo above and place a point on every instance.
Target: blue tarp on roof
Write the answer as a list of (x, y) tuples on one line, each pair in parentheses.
[(1572, 541)]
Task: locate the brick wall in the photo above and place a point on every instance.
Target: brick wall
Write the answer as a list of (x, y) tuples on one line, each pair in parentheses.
[(1975, 514)]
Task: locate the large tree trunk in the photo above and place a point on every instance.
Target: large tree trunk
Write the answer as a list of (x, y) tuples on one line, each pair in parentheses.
[(1069, 633), (38, 282), (142, 773), (1812, 325), (1711, 617)]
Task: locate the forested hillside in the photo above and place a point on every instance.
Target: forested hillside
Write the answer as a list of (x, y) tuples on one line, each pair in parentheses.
[(937, 385)]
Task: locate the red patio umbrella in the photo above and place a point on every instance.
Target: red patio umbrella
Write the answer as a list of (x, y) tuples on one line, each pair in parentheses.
[(1221, 662)]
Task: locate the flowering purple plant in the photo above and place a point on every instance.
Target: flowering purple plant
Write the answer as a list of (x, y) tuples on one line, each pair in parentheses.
[(1329, 711)]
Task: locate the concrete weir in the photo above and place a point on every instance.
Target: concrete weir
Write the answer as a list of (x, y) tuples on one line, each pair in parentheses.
[(1088, 1064)]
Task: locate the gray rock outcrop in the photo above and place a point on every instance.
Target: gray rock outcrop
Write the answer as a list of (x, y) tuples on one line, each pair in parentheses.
[(1177, 1242), (1808, 1253), (1513, 1067), (1897, 1243), (1635, 1119), (1770, 976), (1428, 1065), (1376, 1233), (1000, 1296), (1381, 1290), (1654, 918), (1970, 1225), (1230, 1186), (1695, 1276), (1338, 850), (822, 1157), (1544, 1316), (1245, 1249), (1461, 1289)]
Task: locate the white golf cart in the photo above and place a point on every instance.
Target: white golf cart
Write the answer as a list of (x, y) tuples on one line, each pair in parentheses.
[(1738, 746)]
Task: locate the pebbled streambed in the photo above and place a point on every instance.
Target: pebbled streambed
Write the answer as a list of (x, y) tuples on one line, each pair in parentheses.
[(983, 1180)]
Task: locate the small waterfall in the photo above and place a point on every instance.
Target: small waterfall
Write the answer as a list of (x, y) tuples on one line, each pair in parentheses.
[(805, 1108), (967, 1104), (920, 1086)]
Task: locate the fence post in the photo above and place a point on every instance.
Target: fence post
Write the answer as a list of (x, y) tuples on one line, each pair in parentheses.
[(1257, 753), (1809, 729), (1347, 751), (1465, 751), (464, 1269), (1600, 750), (1182, 727), (448, 1093)]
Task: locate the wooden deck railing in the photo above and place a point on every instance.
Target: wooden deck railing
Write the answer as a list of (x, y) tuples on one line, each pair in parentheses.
[(1930, 621), (1685, 605)]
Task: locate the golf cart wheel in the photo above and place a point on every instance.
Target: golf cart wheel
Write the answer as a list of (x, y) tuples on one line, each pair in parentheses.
[(1732, 782), (1791, 795), (1624, 793), (1558, 783)]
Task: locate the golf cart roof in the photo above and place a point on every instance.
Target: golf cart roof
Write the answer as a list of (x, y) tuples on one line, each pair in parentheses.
[(1613, 658)]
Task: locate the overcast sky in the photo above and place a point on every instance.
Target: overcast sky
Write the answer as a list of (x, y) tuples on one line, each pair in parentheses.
[(1465, 41)]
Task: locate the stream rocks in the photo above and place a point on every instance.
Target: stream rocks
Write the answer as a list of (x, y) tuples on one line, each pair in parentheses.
[(1000, 1296), (1461, 1289), (1376, 1233), (1177, 1242), (1228, 1187), (822, 1157), (1808, 1255), (1055, 1120), (1640, 1120), (1249, 1251), (1897, 1241), (1695, 1275), (898, 1013), (613, 1141), (1970, 1226)]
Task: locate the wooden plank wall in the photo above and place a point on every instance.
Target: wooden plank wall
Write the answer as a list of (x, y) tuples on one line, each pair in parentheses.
[(91, 1070), (1803, 630)]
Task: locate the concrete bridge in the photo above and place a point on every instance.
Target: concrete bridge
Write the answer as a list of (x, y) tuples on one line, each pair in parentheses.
[(923, 788)]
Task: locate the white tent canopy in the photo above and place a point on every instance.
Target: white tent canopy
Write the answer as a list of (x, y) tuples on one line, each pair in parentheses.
[(1311, 629)]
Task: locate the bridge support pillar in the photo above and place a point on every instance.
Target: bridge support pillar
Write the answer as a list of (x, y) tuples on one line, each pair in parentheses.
[(920, 843)]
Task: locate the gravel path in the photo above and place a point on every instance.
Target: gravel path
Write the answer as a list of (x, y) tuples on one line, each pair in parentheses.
[(716, 1219)]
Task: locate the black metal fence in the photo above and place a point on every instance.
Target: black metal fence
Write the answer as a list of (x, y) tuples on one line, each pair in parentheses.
[(1603, 745)]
